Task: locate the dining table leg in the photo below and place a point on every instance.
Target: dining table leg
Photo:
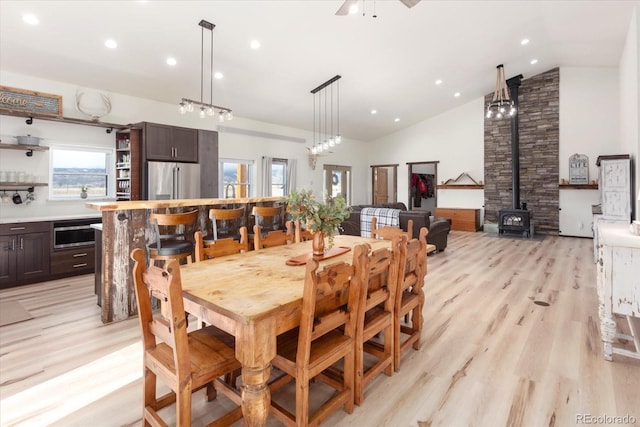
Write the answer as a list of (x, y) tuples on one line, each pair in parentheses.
[(255, 349)]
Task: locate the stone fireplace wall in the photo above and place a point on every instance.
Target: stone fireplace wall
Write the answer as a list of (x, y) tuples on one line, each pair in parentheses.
[(539, 150)]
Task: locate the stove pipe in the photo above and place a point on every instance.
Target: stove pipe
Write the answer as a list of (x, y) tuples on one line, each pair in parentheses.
[(514, 83)]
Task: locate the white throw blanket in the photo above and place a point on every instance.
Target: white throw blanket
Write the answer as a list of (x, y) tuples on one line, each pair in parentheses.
[(386, 216)]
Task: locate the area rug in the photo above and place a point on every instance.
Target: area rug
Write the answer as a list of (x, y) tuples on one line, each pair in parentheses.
[(13, 312)]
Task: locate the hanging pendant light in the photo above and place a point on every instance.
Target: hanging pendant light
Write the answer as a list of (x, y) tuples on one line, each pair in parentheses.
[(206, 108), (324, 134), (501, 105)]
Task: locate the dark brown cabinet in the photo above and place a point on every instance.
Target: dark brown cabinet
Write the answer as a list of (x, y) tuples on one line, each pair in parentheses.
[(169, 143), (24, 253), (71, 262)]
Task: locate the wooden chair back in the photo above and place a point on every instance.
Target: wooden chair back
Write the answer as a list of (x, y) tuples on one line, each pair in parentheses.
[(185, 362), (387, 232), (376, 315), (330, 304), (220, 247), (173, 233), (410, 295), (272, 238), (301, 234), (268, 217), (226, 222)]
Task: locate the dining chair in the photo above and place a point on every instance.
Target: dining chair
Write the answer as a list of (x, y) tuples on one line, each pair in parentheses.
[(300, 234), (410, 296), (326, 336), (387, 232), (173, 233), (220, 247), (268, 217), (184, 361), (375, 326), (270, 239), (225, 223)]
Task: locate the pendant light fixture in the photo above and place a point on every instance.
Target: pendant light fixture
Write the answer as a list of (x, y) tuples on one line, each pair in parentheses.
[(502, 105), (206, 109), (324, 134)]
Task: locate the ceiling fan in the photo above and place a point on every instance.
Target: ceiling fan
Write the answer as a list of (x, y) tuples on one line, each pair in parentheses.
[(346, 6)]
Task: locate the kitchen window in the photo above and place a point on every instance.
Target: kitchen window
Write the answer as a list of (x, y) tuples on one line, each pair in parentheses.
[(72, 168), (279, 177), (236, 178)]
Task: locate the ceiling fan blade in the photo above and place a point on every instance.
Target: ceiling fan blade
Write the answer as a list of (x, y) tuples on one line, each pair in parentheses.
[(410, 3), (344, 9)]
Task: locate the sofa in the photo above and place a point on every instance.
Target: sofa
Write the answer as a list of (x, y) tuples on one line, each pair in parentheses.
[(438, 228)]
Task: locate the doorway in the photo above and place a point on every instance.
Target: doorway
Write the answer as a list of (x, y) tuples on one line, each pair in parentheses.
[(383, 184), (337, 180), (423, 180)]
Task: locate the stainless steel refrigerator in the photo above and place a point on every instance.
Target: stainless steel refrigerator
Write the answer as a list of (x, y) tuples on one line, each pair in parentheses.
[(170, 180)]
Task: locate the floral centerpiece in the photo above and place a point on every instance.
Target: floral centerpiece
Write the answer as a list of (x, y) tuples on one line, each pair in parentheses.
[(317, 217)]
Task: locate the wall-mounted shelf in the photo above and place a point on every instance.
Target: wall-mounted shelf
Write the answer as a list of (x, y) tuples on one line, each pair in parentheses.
[(22, 184), (28, 148), (578, 186), (30, 118), (460, 186)]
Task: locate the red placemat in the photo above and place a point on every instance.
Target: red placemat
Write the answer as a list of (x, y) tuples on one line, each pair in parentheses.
[(302, 259)]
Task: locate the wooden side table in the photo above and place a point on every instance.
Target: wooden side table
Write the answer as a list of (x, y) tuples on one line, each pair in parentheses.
[(462, 219)]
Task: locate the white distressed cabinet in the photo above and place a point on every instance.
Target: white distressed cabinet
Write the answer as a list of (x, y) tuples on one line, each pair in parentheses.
[(615, 192), (618, 286)]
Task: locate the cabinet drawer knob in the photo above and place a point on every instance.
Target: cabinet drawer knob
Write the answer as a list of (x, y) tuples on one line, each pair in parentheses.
[(79, 255), (17, 228), (84, 264)]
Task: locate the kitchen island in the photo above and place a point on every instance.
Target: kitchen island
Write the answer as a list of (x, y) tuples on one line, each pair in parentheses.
[(125, 227)]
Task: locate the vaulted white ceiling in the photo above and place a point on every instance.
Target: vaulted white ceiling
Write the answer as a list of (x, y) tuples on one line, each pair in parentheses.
[(389, 63)]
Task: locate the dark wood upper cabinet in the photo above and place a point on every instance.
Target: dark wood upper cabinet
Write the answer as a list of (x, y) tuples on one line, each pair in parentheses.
[(169, 143)]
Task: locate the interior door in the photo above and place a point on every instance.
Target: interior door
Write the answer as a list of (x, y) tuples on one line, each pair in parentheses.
[(380, 193), (337, 181), (383, 184)]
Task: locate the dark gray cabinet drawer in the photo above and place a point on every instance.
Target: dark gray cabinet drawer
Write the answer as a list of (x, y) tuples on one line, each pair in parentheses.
[(73, 261)]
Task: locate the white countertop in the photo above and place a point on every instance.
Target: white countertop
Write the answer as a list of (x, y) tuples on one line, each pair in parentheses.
[(49, 218), (617, 234)]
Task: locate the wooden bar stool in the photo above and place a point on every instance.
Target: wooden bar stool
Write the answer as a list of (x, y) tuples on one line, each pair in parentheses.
[(225, 223), (173, 232), (269, 218)]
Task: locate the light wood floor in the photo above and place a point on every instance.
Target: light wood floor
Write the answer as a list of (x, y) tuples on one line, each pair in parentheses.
[(490, 356)]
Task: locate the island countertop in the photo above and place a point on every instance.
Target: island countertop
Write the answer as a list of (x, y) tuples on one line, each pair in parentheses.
[(176, 203)]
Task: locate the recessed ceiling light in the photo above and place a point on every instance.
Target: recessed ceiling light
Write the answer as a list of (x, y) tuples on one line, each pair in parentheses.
[(171, 61), (534, 61), (524, 42), (397, 119), (374, 111), (438, 82), (255, 44), (30, 19), (353, 9), (218, 75), (457, 94), (111, 44)]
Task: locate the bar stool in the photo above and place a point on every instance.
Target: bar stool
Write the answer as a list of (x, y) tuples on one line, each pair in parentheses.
[(225, 223), (268, 217), (172, 231)]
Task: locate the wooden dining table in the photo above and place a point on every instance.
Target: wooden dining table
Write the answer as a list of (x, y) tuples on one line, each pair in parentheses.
[(255, 296)]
